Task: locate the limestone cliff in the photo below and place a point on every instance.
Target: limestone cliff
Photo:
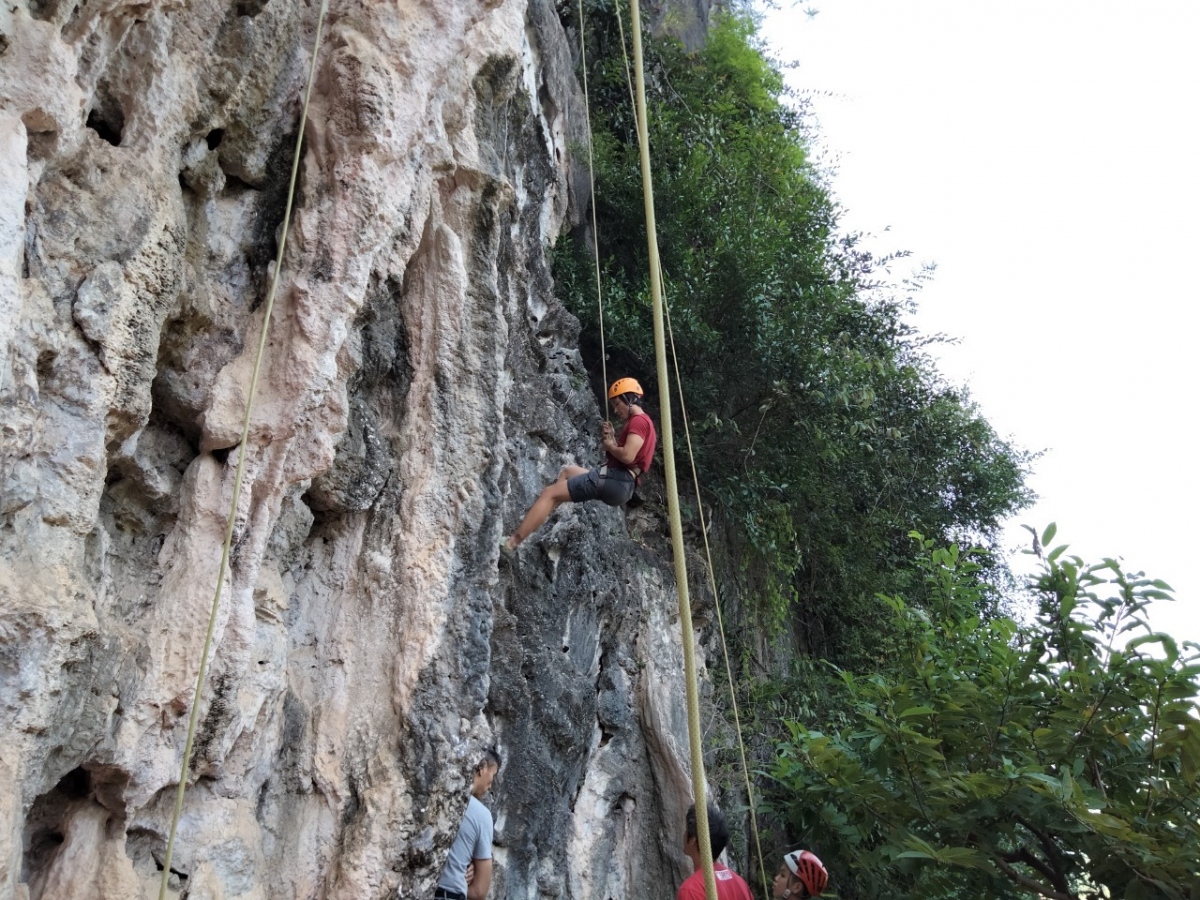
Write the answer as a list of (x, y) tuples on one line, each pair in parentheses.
[(421, 384)]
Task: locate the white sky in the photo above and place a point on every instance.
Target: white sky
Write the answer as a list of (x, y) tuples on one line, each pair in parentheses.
[(1044, 156)]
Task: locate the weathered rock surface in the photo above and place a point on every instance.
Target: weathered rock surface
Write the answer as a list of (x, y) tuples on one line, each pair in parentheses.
[(420, 384)]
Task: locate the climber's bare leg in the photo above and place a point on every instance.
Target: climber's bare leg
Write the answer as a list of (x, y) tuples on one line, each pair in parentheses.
[(548, 501)]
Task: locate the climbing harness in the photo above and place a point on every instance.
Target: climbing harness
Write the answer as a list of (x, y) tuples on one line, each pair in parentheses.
[(237, 481)]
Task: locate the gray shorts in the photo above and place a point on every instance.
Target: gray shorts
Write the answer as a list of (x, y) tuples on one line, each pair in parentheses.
[(614, 488)]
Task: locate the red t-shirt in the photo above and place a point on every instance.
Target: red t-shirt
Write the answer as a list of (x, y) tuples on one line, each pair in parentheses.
[(730, 885), (642, 426)]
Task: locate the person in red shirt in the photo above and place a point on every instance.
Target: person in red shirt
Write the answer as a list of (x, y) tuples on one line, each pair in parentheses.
[(628, 457), (730, 885), (802, 875)]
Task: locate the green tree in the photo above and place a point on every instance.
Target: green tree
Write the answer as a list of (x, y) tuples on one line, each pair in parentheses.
[(993, 759), (823, 430)]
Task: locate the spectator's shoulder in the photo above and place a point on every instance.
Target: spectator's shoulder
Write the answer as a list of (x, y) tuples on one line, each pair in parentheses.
[(687, 890), (480, 809)]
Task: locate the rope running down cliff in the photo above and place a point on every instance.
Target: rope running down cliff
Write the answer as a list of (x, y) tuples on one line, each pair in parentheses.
[(712, 581), (587, 117), (237, 481), (688, 435), (664, 395)]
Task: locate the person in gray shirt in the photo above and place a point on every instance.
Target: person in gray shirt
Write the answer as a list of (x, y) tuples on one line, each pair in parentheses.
[(472, 847)]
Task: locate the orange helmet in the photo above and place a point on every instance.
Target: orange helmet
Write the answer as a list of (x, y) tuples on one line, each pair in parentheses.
[(625, 386), (809, 869)]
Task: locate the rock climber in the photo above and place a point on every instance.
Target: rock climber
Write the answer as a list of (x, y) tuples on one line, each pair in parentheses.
[(628, 457), (730, 885), (472, 847), (801, 875)]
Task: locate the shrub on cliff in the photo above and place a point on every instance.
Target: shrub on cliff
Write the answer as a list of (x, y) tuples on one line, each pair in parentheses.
[(988, 758)]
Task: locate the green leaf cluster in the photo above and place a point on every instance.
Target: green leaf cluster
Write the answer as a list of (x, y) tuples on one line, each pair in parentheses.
[(989, 758), (821, 427)]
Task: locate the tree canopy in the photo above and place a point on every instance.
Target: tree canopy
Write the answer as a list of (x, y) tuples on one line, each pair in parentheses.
[(990, 758)]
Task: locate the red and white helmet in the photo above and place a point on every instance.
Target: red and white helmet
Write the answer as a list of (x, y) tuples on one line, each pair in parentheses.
[(809, 869)]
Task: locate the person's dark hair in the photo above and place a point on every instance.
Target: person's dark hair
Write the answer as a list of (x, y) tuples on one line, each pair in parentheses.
[(491, 756), (718, 831)]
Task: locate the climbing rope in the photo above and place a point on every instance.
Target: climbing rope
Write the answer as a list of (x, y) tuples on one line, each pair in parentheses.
[(695, 478), (699, 789), (237, 481), (712, 581), (628, 67), (587, 114), (682, 405)]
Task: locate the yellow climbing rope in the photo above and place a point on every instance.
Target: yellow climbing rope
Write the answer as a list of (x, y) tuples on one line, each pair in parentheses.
[(587, 116), (712, 582), (692, 461), (699, 789), (679, 388), (237, 481)]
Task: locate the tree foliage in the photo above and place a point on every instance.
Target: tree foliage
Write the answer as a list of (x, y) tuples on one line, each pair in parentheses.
[(822, 428), (993, 759)]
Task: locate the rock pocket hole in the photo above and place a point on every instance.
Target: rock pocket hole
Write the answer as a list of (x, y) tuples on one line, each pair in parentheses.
[(44, 825), (147, 849), (45, 365), (251, 8), (43, 10), (214, 138), (108, 124)]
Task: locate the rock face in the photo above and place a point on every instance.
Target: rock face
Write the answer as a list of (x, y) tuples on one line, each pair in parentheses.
[(420, 385)]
